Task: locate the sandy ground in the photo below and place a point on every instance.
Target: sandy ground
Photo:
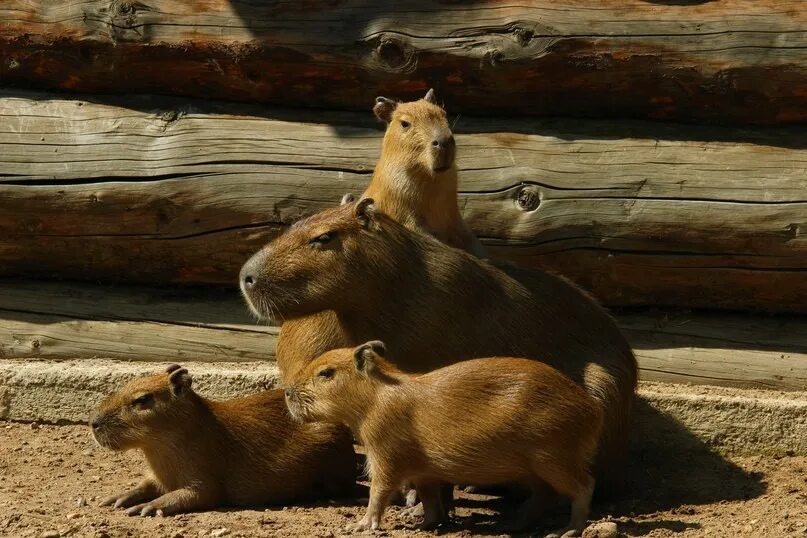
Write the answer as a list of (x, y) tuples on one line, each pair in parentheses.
[(51, 478)]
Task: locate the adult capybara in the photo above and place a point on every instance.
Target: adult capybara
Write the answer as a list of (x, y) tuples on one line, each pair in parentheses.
[(435, 305), (203, 454), (481, 421)]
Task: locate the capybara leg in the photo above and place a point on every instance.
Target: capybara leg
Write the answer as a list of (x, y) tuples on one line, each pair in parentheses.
[(145, 491), (411, 497), (381, 491), (581, 503), (529, 512), (173, 502), (434, 512)]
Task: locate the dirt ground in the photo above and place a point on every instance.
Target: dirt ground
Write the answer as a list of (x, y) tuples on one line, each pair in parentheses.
[(51, 478)]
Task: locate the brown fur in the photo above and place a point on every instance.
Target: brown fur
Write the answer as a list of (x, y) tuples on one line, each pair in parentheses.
[(482, 421), (434, 305), (408, 188), (204, 454), (415, 180)]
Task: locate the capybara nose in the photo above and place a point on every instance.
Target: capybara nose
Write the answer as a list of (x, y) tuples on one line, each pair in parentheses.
[(443, 142), (249, 272)]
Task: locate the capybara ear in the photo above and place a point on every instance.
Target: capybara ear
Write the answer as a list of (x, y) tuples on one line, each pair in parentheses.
[(384, 108), (172, 368), (348, 198), (430, 96), (365, 210), (180, 381), (364, 356)]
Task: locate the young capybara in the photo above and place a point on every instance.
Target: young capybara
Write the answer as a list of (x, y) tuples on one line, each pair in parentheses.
[(203, 453), (415, 180), (434, 305), (481, 421)]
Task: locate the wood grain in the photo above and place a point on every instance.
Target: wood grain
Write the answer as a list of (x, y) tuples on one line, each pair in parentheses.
[(165, 191), (714, 61), (68, 321)]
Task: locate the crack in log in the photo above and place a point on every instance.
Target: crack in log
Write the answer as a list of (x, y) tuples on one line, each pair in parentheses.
[(74, 317)]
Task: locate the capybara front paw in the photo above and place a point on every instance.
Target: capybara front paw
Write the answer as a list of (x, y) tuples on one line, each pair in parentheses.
[(144, 510), (123, 500), (364, 524)]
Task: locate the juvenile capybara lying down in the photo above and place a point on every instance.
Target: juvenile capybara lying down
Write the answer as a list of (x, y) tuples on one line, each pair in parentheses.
[(434, 305), (204, 454), (482, 421)]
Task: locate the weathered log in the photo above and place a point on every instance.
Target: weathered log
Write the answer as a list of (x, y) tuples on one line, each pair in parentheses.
[(637, 213), (716, 61), (41, 320)]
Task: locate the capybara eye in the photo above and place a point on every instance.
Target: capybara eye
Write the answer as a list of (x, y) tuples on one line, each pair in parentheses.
[(405, 124), (322, 239), (327, 373), (144, 400)]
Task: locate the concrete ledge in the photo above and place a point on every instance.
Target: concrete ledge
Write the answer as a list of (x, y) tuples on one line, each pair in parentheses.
[(680, 417), (66, 391)]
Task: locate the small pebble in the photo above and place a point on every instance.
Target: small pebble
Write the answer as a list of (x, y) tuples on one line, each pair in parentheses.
[(73, 515), (215, 533), (34, 426), (603, 529), (50, 534)]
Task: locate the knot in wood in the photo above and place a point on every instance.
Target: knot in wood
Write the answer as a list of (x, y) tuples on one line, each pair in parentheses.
[(523, 36), (528, 198), (391, 53)]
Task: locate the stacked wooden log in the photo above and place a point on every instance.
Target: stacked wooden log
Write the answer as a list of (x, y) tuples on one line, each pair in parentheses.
[(163, 191), (171, 189)]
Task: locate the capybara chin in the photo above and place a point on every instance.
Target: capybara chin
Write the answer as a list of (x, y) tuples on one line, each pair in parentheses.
[(481, 421), (434, 305), (203, 454)]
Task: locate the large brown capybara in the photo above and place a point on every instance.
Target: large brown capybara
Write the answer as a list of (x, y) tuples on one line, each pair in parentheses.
[(204, 454), (480, 421), (435, 305)]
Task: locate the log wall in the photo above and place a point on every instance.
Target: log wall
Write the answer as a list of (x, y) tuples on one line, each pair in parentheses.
[(165, 191), (714, 61), (55, 321)]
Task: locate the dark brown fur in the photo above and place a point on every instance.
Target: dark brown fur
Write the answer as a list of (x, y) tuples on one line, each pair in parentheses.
[(203, 453), (482, 421), (434, 305)]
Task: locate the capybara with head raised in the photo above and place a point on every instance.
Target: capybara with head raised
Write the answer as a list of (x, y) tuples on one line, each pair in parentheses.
[(434, 305), (481, 421), (203, 454), (415, 180)]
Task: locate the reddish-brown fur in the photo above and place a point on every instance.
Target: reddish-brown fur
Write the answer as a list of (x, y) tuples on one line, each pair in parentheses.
[(203, 453), (415, 183), (482, 421), (434, 305)]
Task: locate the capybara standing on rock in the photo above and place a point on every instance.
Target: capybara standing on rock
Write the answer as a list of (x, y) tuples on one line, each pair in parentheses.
[(481, 421), (434, 305), (204, 454)]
